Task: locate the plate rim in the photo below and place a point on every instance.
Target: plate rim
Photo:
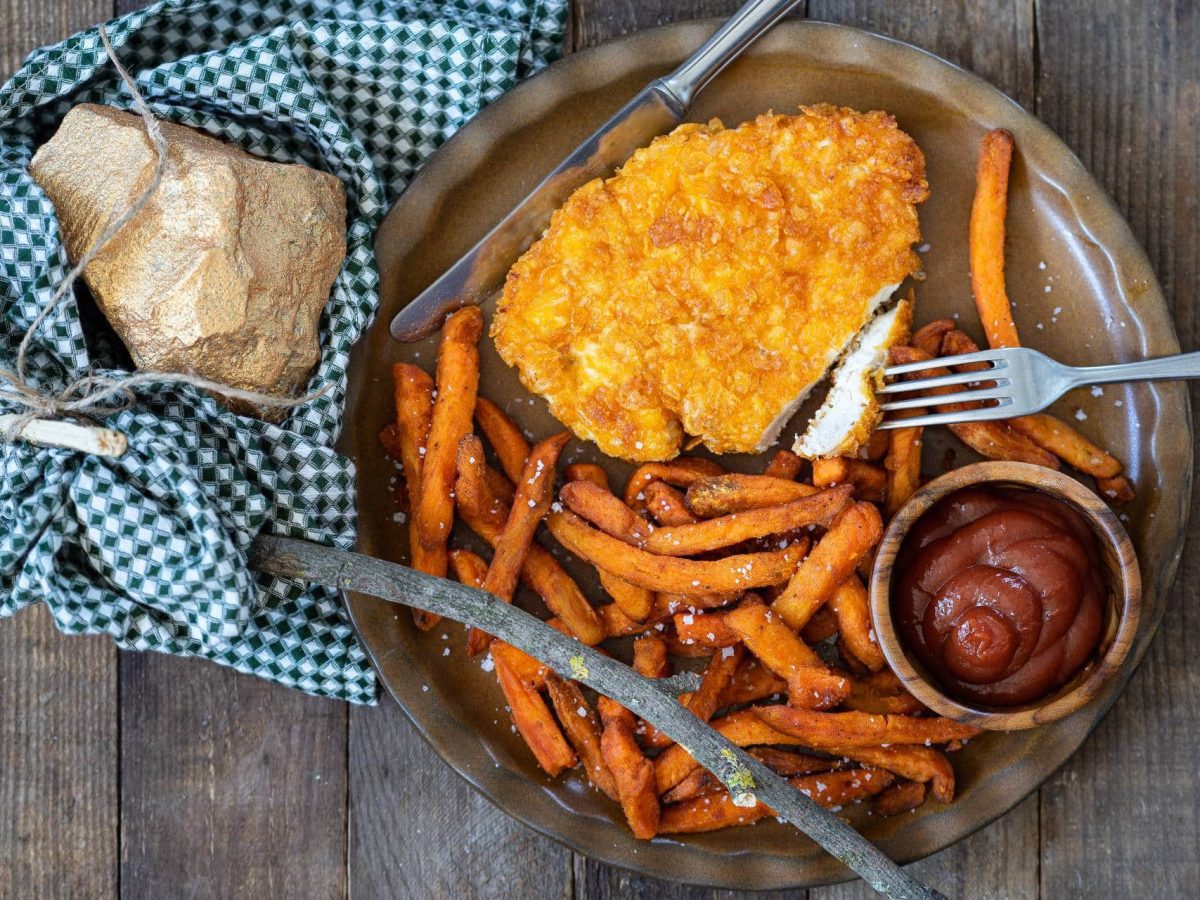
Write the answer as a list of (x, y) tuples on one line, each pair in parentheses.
[(1162, 585)]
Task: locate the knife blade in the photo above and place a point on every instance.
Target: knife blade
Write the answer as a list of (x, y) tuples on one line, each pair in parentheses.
[(657, 108)]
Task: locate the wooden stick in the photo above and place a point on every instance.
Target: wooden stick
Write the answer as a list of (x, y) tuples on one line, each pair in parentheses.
[(748, 780), (70, 436)]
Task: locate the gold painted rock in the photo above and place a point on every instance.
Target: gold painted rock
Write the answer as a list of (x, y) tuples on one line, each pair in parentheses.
[(225, 271)]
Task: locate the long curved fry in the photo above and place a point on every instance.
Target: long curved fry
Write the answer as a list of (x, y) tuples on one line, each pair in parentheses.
[(662, 573)]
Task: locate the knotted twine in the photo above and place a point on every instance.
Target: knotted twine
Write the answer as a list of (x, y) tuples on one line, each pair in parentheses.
[(89, 396)]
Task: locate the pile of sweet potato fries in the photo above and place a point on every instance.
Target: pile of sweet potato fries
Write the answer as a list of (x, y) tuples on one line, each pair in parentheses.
[(761, 576)]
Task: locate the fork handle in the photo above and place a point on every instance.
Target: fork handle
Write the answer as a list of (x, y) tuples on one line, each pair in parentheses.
[(1165, 368)]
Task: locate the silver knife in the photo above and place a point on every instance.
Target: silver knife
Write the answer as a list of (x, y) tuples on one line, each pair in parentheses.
[(658, 108)]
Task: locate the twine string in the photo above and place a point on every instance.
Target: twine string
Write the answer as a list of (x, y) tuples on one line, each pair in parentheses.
[(92, 395)]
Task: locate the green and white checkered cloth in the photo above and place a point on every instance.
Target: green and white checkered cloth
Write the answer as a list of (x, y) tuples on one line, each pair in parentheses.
[(151, 548)]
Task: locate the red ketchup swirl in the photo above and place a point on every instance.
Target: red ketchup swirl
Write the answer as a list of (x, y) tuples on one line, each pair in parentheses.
[(1000, 593)]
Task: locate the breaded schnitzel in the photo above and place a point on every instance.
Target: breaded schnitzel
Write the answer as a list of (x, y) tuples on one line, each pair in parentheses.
[(707, 286)]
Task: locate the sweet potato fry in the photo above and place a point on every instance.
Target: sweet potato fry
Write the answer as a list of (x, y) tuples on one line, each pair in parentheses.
[(868, 480), (850, 606), (700, 783), (714, 534), (666, 505), (586, 472), (902, 464), (617, 624), (710, 812), (535, 489), (670, 604), (389, 440), (531, 672), (923, 764), (535, 722), (472, 570), (718, 675), (859, 729), (596, 505), (1118, 490), (784, 464), (723, 494), (413, 397), (650, 657), (680, 472), (782, 762), (772, 642), (817, 688), (831, 562), (486, 516), (633, 774), (457, 383), (986, 241), (469, 568), (789, 763), (870, 701), (506, 439), (706, 629), (876, 447), (928, 338), (751, 682), (635, 602), (1065, 442), (743, 728), (901, 797), (821, 627), (662, 573), (582, 728)]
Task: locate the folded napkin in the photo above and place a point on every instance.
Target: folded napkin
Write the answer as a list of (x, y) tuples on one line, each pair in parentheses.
[(150, 548)]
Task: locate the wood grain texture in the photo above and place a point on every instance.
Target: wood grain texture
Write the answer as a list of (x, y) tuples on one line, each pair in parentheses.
[(59, 809), (596, 21), (58, 761), (27, 24), (999, 861), (993, 40), (1121, 84), (230, 786), (418, 830)]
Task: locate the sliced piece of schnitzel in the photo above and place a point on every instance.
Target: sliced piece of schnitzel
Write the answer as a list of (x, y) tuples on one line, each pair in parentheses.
[(851, 410), (707, 286)]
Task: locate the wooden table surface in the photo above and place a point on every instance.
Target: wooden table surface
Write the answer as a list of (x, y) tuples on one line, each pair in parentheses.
[(149, 776)]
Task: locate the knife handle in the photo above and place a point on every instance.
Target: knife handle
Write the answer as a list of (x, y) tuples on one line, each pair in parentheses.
[(746, 26)]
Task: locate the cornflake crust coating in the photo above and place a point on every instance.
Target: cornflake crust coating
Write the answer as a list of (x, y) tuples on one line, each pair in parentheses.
[(707, 286)]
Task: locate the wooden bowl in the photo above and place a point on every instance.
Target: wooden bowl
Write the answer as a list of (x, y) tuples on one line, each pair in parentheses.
[(1122, 577)]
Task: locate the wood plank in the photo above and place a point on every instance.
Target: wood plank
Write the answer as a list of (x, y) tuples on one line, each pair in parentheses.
[(58, 761), (596, 21), (419, 830), (994, 40), (58, 718), (1121, 83), (26, 24), (230, 785), (998, 861), (596, 881)]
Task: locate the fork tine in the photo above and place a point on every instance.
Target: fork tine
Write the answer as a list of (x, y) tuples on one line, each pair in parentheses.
[(997, 357), (996, 393), (954, 378), (950, 418)]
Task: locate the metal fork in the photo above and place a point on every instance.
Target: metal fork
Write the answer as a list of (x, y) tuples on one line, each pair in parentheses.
[(1016, 382)]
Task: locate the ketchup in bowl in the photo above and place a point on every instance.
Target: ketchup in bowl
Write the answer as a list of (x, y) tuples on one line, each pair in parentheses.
[(1000, 593)]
